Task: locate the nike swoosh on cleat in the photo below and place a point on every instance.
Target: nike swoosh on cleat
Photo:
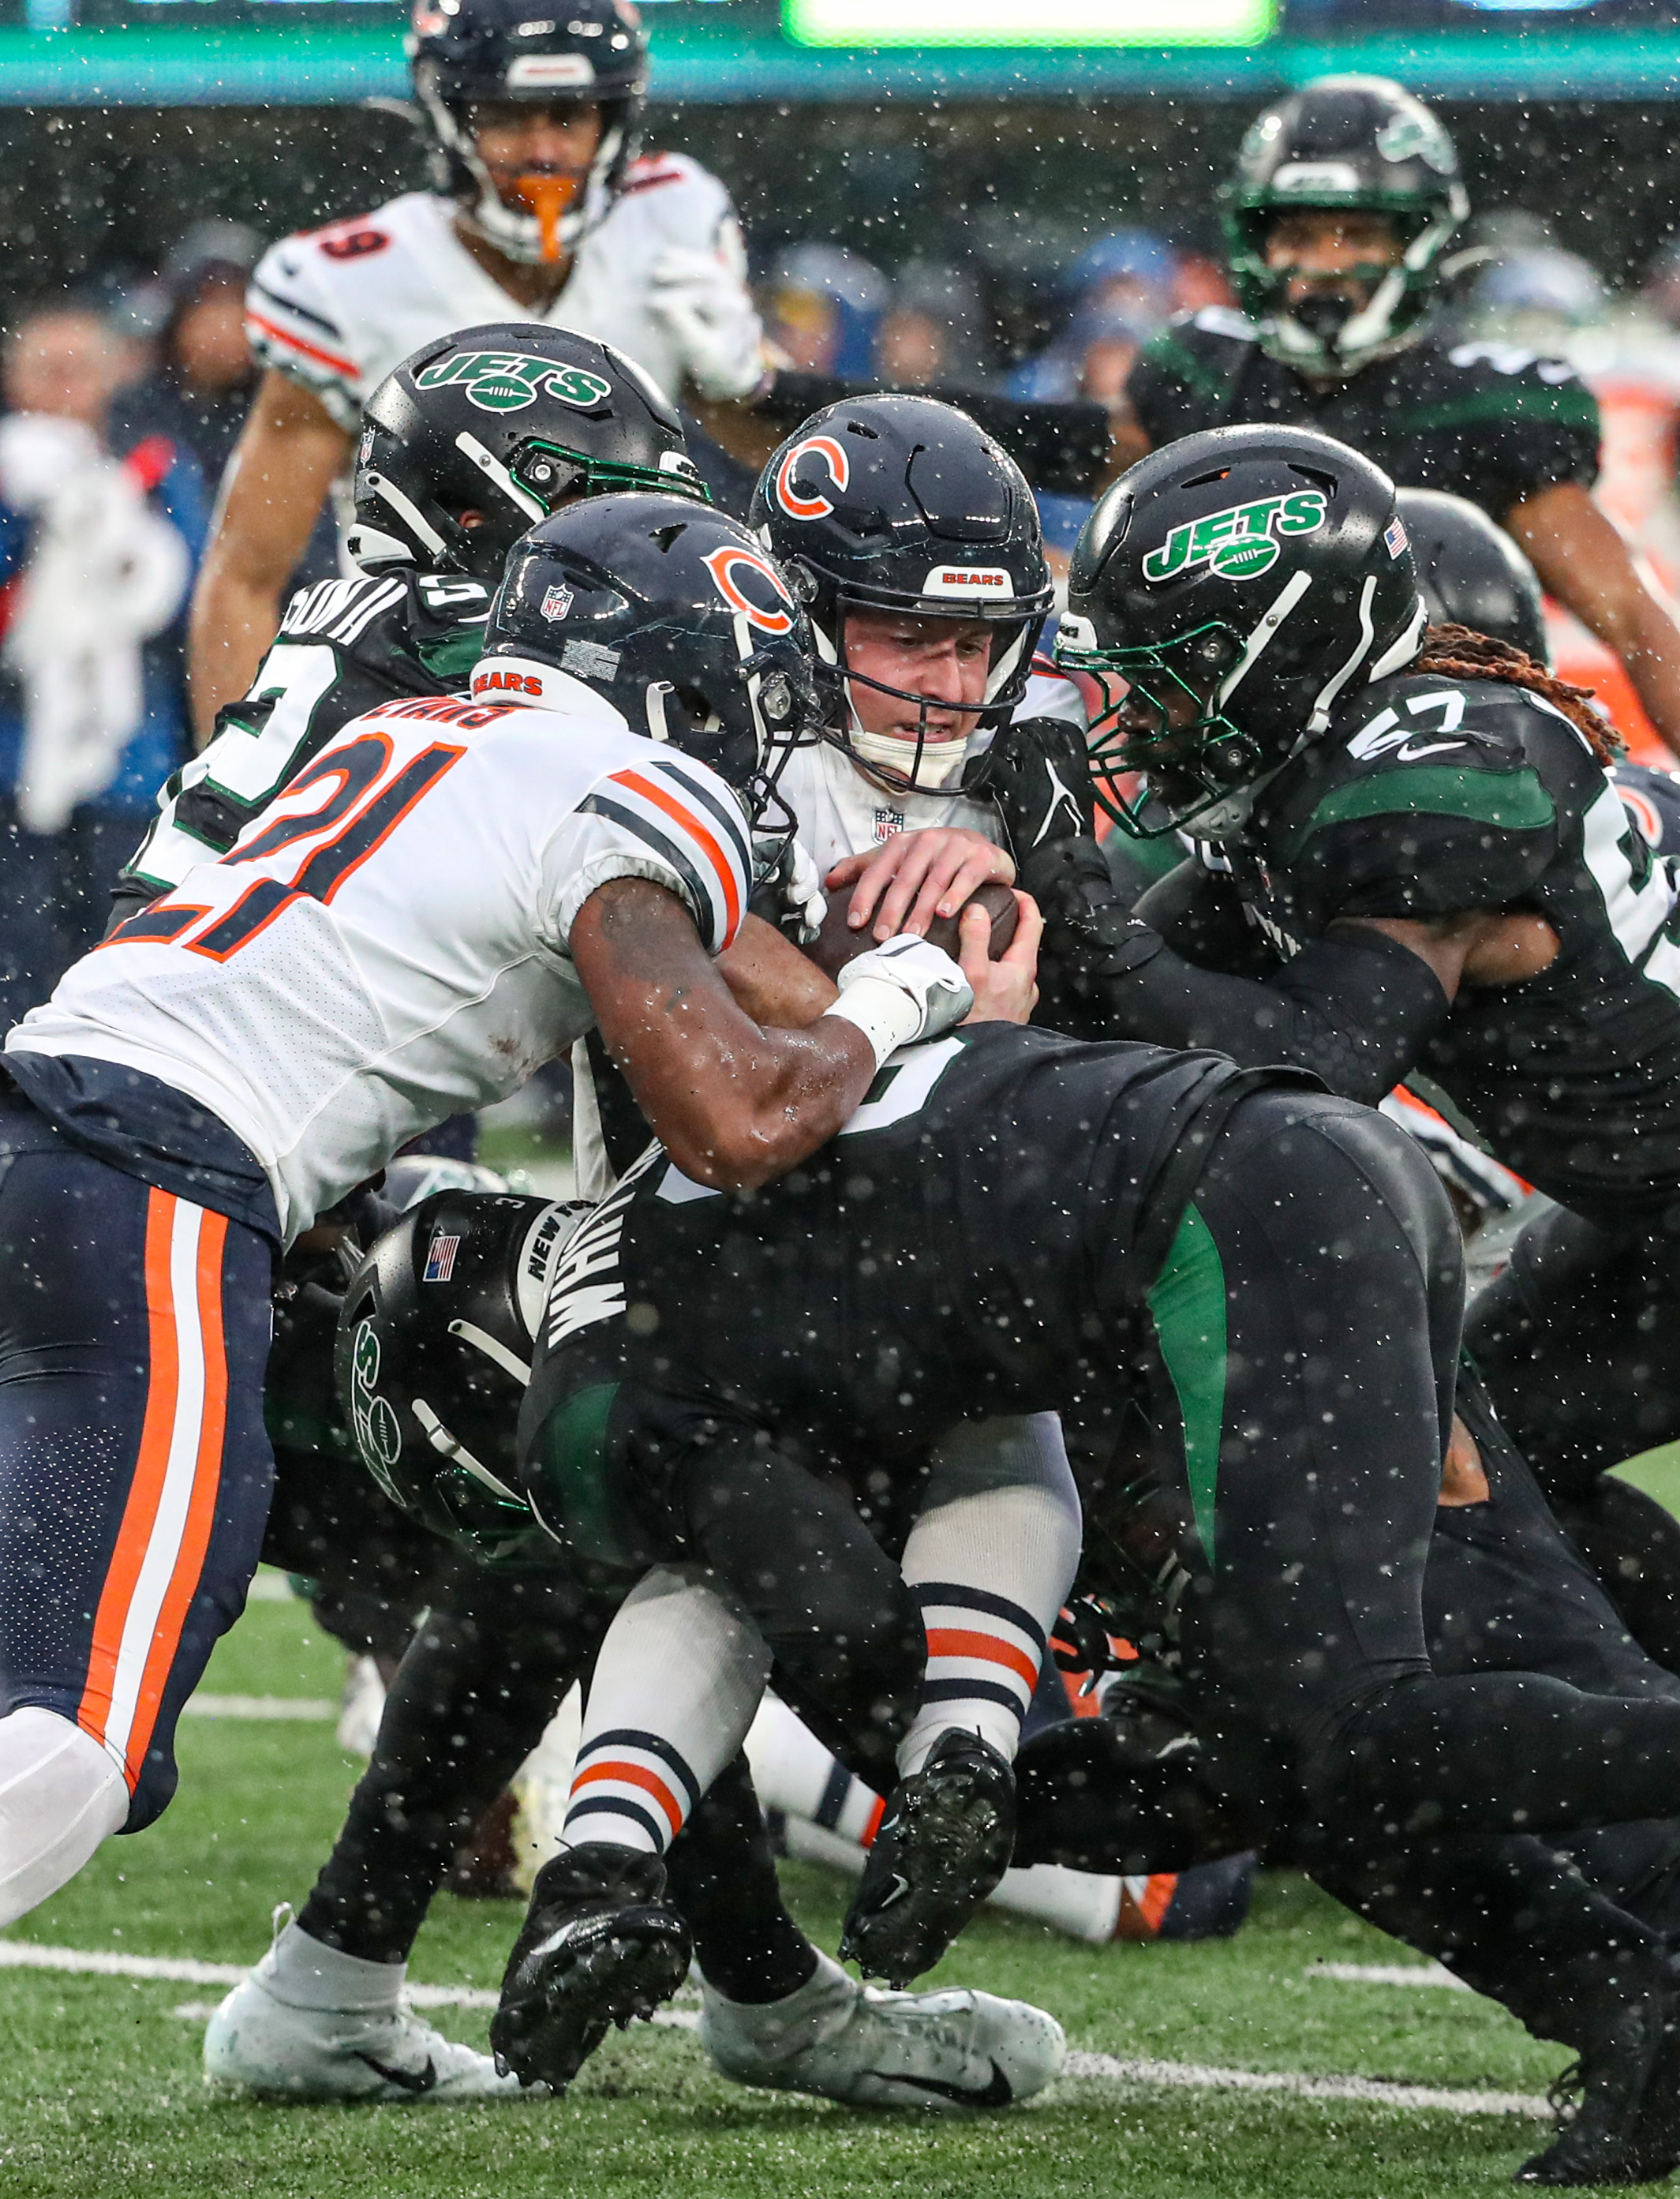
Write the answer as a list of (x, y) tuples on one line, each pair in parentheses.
[(414, 2080), (997, 2094)]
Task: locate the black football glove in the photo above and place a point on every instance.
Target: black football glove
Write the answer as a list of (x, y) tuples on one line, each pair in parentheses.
[(1038, 773)]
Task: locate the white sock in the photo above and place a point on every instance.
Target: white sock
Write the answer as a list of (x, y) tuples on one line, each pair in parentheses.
[(675, 1688), (306, 1973), (794, 1772), (60, 1796), (990, 1568)]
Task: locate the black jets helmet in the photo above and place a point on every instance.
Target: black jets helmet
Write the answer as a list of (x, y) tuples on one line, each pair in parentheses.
[(665, 616), (902, 503), (591, 52), (1471, 572), (509, 420), (1238, 583), (433, 1355), (1357, 145)]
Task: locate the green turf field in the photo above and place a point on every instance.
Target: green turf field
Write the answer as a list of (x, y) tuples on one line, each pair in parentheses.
[(99, 2095)]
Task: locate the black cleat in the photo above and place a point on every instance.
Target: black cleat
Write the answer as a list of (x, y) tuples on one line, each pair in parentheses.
[(944, 1844), (1619, 2106), (598, 1947), (1656, 2137)]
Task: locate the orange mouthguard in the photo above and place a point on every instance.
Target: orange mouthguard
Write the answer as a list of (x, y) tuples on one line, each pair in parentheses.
[(548, 197)]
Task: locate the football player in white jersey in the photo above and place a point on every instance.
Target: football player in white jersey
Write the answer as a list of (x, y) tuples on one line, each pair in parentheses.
[(915, 542), (448, 896), (540, 209), (539, 206), (444, 485)]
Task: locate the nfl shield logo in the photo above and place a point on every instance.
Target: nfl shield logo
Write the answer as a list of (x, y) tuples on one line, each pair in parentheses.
[(557, 603), (440, 1259)]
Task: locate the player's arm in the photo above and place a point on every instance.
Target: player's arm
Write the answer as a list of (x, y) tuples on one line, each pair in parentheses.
[(289, 454), (1357, 1007), (1584, 562), (733, 1103)]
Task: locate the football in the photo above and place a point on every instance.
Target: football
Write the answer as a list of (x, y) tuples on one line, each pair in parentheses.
[(837, 944)]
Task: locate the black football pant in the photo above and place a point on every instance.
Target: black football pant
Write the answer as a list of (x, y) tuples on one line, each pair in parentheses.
[(475, 1689), (1306, 1324), (1561, 1931), (1578, 1341)]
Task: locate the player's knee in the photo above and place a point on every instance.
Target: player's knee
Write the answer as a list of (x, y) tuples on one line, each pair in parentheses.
[(60, 1796)]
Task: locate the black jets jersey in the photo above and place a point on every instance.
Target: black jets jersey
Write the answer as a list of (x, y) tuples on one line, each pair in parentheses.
[(999, 1192), (1483, 421), (344, 647), (1433, 795)]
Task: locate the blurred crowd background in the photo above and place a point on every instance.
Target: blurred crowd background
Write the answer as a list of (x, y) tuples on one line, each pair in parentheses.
[(1030, 250)]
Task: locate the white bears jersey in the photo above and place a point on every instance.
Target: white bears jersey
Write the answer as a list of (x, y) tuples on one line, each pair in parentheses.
[(337, 308), (385, 945)]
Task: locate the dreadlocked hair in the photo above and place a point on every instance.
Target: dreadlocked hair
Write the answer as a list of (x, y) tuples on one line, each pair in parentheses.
[(1457, 652)]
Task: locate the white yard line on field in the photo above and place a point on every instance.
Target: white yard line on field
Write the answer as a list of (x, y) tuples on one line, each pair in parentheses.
[(1387, 1974), (23, 1955), (1371, 2090), (1368, 2092)]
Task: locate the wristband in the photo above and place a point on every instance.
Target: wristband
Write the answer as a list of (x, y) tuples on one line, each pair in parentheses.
[(884, 1012)]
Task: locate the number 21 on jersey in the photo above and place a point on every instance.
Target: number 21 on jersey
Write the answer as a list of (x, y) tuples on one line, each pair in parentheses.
[(362, 790)]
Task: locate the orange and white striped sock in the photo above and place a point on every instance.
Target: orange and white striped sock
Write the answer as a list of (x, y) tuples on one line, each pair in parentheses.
[(991, 1572)]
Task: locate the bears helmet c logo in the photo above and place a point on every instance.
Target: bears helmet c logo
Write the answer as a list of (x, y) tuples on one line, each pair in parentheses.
[(723, 564), (811, 503)]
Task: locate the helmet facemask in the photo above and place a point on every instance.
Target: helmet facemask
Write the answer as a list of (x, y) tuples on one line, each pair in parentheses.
[(534, 217), (542, 476), (1163, 715), (926, 762), (1362, 312)]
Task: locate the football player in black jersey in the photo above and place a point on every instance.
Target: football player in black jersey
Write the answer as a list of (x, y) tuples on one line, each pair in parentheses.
[(1345, 197), (1411, 858), (510, 1627), (1568, 1933), (1016, 1222)]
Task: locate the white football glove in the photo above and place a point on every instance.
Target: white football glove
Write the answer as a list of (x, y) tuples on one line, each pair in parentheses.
[(797, 884), (901, 992), (702, 304)]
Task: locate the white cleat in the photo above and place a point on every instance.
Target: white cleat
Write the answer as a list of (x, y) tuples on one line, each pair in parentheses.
[(843, 2041), (268, 2048)]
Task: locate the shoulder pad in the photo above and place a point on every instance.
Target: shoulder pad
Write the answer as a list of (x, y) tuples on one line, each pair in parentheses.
[(1413, 715), (1424, 745), (342, 611), (648, 169), (1511, 360)]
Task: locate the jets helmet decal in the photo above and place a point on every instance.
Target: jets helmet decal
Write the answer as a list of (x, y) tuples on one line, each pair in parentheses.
[(508, 421), (1225, 594)]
